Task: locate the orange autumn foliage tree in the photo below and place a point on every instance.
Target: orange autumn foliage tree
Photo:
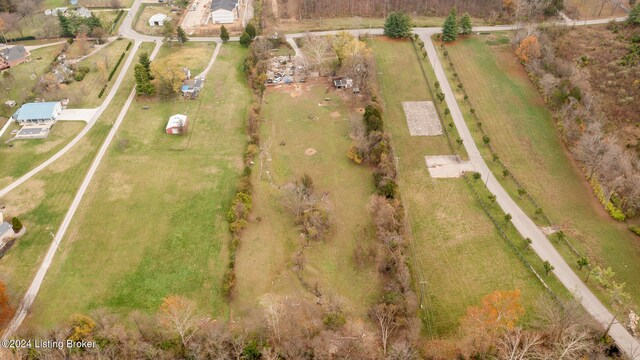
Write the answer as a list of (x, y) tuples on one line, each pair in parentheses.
[(529, 48), (6, 310), (497, 312)]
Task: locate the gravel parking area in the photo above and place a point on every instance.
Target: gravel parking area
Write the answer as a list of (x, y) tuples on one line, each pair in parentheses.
[(447, 166), (422, 118)]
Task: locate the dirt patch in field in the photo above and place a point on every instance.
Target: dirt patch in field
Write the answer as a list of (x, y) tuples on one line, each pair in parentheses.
[(360, 110), (25, 198), (335, 114), (310, 152)]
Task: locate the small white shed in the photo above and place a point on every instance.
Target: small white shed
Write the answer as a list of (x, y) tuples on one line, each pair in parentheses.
[(157, 20)]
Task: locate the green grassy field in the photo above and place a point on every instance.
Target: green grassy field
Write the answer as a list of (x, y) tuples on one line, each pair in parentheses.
[(43, 200), (524, 135), (152, 222), (17, 160), (456, 250), (295, 125)]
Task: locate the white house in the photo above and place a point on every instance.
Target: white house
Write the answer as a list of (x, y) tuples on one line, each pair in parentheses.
[(177, 124), (157, 20), (224, 11), (38, 113)]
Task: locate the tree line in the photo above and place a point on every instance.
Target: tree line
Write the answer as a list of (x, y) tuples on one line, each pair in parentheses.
[(310, 9)]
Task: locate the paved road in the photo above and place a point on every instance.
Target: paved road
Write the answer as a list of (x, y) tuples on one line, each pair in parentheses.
[(31, 293), (525, 226)]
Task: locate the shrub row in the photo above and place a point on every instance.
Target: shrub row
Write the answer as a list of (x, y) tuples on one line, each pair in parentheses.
[(398, 299), (104, 88), (238, 213), (115, 23), (113, 71), (21, 38)]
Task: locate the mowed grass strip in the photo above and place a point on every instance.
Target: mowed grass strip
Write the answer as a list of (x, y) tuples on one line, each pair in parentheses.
[(456, 248), (24, 155), (152, 223), (524, 135), (42, 201), (304, 134)]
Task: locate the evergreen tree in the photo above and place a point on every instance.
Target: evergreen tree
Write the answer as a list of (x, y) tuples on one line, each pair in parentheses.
[(251, 30), (397, 25), (181, 35), (143, 83), (634, 15), (167, 31), (465, 24), (450, 27), (16, 224), (245, 39), (146, 63), (224, 34), (65, 28)]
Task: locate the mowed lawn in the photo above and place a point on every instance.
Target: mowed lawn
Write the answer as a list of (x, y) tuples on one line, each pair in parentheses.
[(524, 135), (18, 159), (152, 222), (456, 250), (295, 127), (42, 201), (23, 81)]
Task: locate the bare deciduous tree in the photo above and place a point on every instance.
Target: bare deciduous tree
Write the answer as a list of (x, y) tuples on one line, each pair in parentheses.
[(385, 317), (179, 315)]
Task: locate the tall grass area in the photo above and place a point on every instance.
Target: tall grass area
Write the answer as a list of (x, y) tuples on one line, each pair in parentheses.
[(299, 136), (524, 135), (152, 222), (457, 255)]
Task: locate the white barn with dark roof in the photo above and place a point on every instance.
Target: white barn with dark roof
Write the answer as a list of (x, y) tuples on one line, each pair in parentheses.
[(224, 11)]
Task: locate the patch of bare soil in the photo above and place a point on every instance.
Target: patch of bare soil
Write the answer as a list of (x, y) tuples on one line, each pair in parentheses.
[(335, 114), (310, 152)]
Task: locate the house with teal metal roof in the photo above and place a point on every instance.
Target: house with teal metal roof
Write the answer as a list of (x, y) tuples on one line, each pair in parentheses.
[(38, 113)]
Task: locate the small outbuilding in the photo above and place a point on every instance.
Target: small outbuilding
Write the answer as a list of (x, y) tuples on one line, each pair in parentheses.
[(191, 87), (177, 124), (38, 113), (83, 12), (157, 20)]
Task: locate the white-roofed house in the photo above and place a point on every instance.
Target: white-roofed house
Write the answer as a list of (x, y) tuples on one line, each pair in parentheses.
[(224, 11), (177, 124), (157, 20)]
